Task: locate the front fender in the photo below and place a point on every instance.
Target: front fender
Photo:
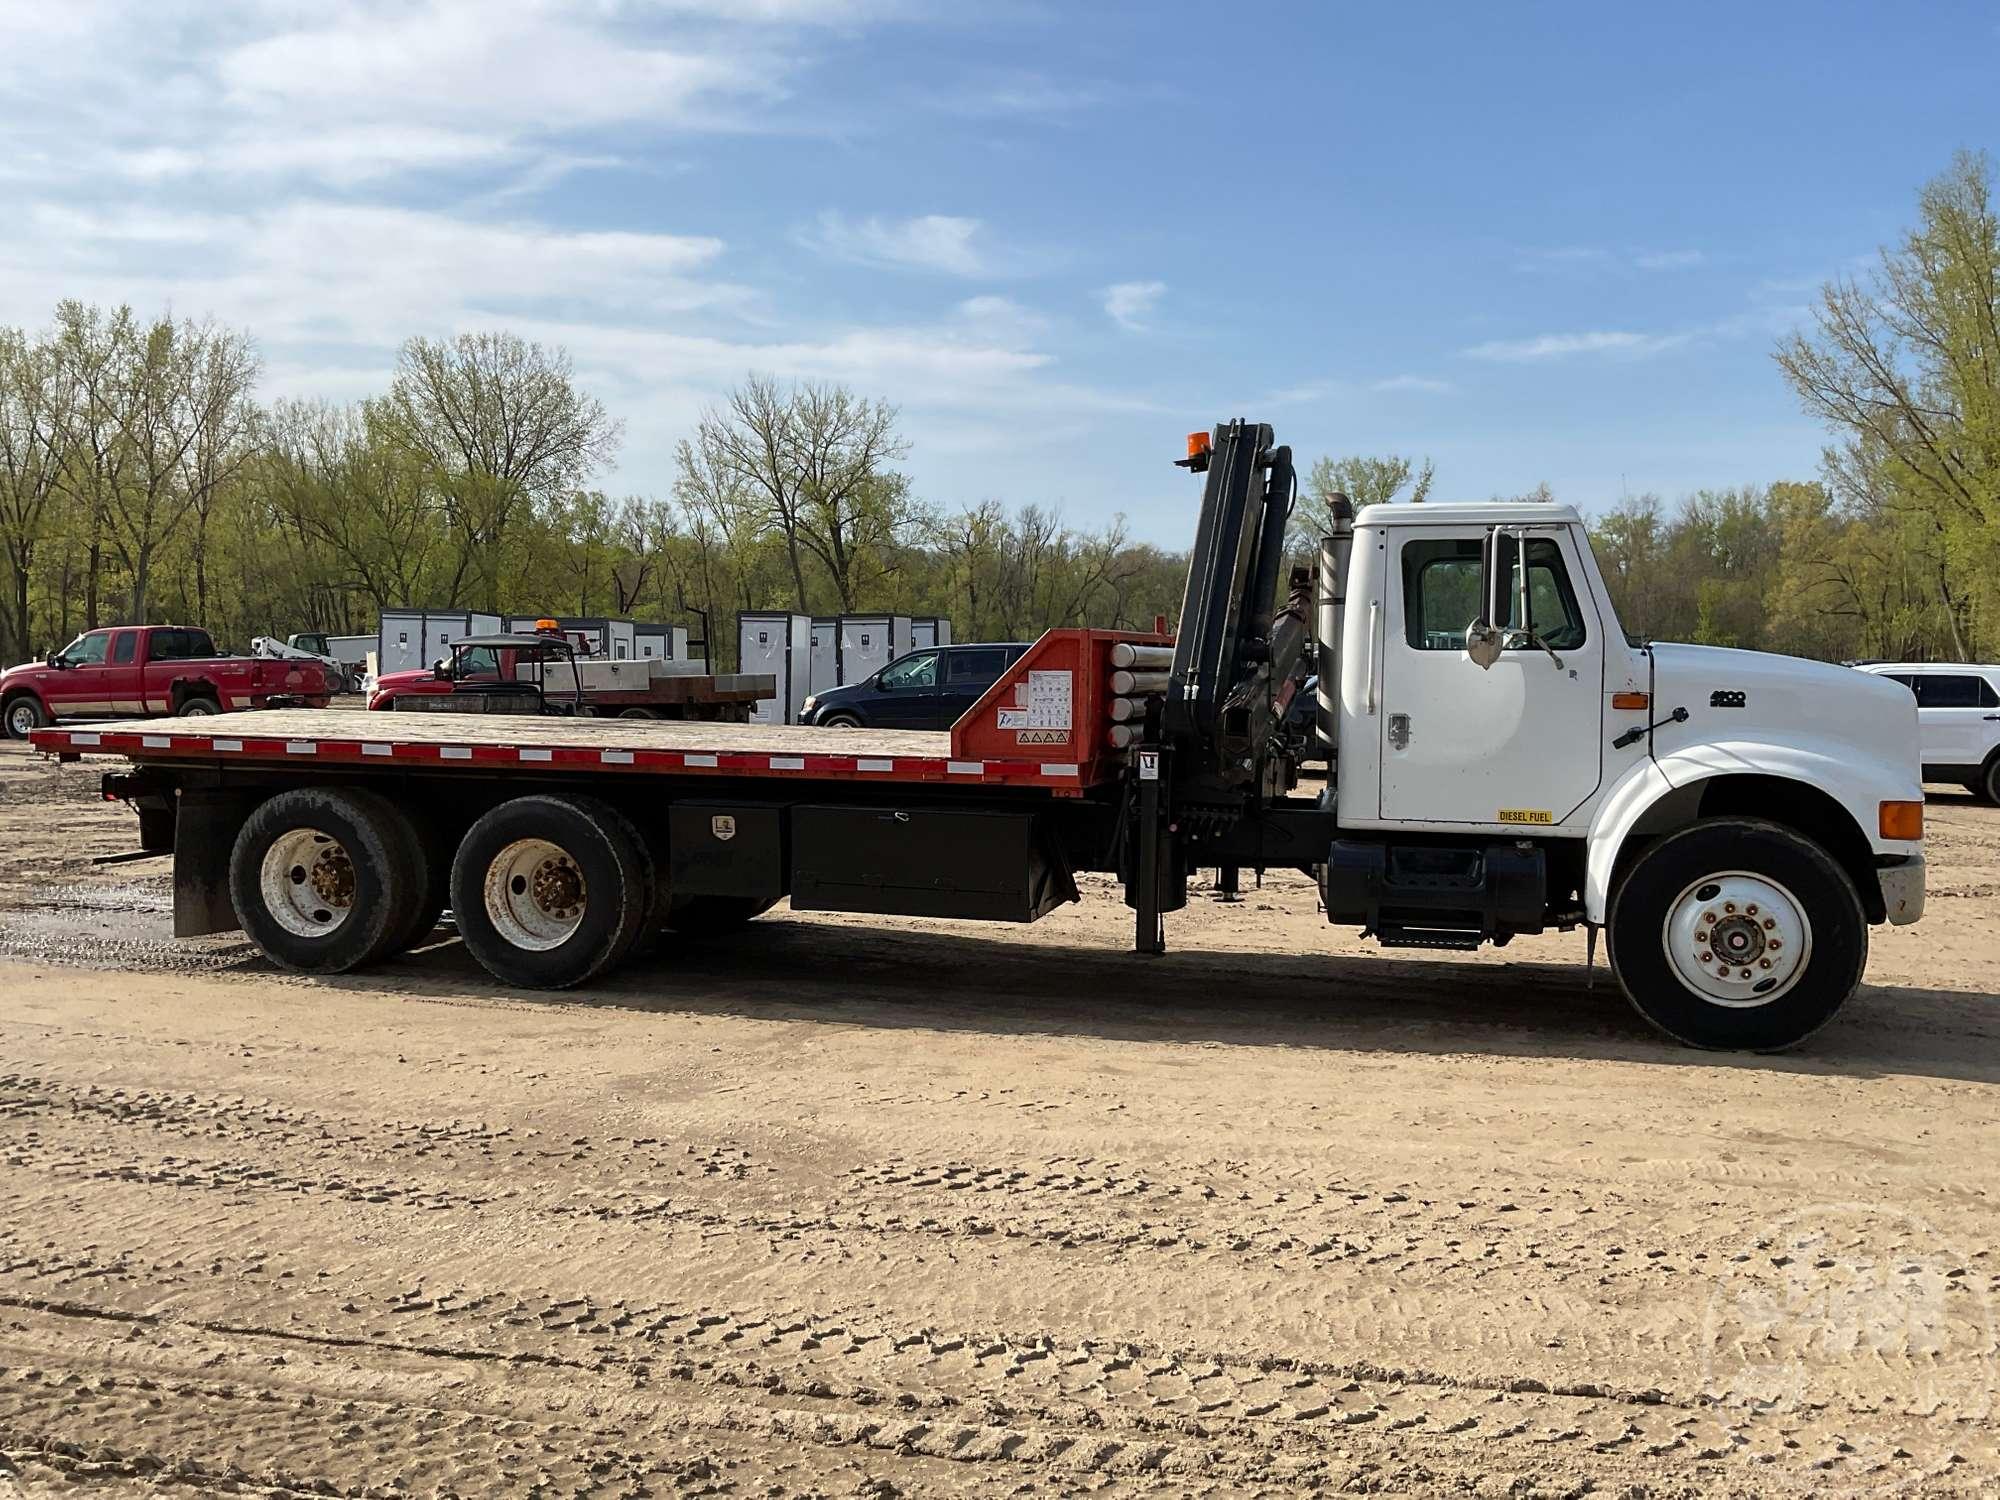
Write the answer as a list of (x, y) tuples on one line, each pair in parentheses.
[(1659, 795)]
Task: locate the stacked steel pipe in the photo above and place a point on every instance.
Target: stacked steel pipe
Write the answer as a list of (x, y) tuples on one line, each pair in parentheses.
[(1139, 674)]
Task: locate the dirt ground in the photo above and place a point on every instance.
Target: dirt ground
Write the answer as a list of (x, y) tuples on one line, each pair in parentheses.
[(896, 1208)]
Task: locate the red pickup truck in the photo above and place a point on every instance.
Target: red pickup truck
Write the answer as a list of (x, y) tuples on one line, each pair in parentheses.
[(136, 671)]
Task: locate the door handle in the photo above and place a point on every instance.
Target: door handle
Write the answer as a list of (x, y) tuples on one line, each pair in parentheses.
[(1374, 618), (1993, 718), (1399, 731)]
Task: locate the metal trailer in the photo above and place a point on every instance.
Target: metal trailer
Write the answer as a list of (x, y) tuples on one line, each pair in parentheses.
[(408, 639), (927, 631), (779, 645)]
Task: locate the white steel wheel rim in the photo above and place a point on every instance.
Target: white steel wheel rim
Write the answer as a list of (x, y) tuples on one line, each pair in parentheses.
[(307, 880), (1737, 939), (21, 718), (535, 895)]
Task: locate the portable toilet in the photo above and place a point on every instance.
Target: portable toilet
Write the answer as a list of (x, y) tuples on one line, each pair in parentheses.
[(868, 643), (825, 652), (927, 631), (410, 639), (781, 645)]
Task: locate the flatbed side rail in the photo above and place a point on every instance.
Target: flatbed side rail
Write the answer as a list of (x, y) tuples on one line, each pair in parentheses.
[(217, 746)]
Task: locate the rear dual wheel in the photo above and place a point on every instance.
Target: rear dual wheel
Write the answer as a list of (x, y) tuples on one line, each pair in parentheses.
[(551, 891), (325, 880)]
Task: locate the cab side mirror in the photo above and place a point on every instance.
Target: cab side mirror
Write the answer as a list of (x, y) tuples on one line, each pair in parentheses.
[(1486, 636), (53, 659)]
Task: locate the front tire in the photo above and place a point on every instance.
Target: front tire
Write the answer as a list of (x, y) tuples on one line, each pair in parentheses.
[(25, 715), (840, 721), (1737, 934), (323, 880), (551, 891)]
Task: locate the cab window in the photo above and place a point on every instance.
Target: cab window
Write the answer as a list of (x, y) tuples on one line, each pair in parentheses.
[(124, 646), (87, 650), (480, 661), (912, 672), (1441, 593)]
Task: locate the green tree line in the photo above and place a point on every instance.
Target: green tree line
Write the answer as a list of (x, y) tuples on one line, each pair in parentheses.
[(141, 479)]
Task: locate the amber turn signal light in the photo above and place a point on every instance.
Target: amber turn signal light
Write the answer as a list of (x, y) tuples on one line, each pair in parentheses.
[(1902, 820), (1631, 700)]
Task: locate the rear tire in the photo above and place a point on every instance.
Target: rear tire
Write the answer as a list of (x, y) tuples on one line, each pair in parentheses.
[(704, 916), (637, 713), (199, 706), (1751, 898), (1987, 787), (25, 715), (551, 891), (323, 879)]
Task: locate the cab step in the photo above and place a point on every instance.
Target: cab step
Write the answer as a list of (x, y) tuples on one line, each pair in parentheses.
[(1428, 937)]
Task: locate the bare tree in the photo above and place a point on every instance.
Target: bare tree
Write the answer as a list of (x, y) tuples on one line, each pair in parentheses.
[(502, 425)]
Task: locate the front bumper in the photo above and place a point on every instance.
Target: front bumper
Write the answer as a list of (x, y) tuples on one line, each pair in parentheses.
[(1902, 888)]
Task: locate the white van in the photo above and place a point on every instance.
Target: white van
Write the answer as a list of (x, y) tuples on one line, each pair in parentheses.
[(1958, 719)]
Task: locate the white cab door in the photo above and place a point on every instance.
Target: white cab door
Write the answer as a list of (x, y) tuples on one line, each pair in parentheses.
[(1518, 745)]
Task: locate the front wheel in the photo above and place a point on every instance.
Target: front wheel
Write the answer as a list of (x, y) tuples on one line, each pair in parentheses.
[(1738, 934), (840, 721), (24, 716)]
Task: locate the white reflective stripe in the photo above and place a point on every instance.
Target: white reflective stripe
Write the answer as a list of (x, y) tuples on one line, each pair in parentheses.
[(85, 739), (698, 760), (874, 765), (301, 747), (787, 763), (155, 741), (1052, 770), (615, 757), (966, 767), (454, 752), (225, 744), (376, 750), (538, 755)]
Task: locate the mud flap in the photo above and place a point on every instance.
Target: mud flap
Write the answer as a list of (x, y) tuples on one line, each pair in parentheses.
[(205, 829)]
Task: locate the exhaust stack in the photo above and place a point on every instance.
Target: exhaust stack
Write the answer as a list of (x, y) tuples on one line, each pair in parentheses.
[(1334, 551)]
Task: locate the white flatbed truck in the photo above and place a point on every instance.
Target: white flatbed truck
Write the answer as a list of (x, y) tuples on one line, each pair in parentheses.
[(1502, 760)]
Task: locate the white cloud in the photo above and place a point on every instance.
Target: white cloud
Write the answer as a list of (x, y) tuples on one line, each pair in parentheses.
[(1424, 384), (929, 242), (1130, 303), (1564, 345)]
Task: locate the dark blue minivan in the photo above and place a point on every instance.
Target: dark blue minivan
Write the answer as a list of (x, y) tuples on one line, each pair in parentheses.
[(923, 690)]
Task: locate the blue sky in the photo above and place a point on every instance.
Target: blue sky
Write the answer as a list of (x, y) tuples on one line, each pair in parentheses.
[(1535, 243)]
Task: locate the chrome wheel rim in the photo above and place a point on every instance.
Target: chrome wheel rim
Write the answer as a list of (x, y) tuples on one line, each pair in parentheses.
[(21, 719), (535, 895), (307, 880), (1737, 939)]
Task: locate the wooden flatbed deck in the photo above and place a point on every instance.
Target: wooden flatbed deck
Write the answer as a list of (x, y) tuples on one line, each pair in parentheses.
[(659, 746)]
